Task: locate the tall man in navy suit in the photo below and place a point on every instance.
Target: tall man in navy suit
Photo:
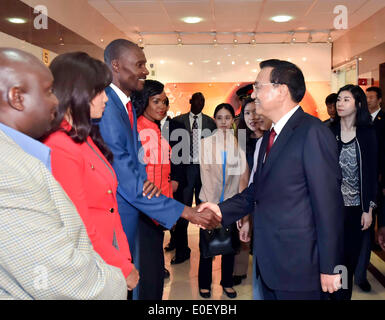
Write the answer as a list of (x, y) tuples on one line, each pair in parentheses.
[(118, 127), (296, 196)]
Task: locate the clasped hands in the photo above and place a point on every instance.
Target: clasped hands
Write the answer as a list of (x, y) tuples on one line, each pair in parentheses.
[(206, 215)]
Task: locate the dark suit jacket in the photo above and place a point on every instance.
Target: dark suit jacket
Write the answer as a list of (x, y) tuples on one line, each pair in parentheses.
[(328, 122), (297, 206), (379, 126), (123, 141)]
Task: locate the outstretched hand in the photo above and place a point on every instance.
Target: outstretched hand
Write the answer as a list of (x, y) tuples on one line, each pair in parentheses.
[(203, 217)]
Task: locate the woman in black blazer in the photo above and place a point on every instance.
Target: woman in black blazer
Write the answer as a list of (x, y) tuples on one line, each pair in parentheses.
[(357, 145)]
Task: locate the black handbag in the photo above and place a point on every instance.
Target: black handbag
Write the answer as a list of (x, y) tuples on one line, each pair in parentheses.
[(219, 241), (222, 240)]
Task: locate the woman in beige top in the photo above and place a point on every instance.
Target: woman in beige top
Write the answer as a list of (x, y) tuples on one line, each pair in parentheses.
[(222, 145)]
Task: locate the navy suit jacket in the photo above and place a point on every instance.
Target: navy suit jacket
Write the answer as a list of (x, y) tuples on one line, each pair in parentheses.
[(297, 206), (124, 143)]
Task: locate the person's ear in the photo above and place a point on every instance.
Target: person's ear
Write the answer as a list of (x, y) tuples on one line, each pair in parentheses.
[(16, 98), (115, 65), (283, 91)]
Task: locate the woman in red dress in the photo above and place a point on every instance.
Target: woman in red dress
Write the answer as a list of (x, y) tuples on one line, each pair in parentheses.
[(81, 160)]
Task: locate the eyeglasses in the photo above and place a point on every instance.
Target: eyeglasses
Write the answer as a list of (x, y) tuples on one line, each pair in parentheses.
[(258, 85)]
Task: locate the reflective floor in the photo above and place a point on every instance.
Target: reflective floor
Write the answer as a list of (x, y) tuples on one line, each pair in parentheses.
[(183, 281)]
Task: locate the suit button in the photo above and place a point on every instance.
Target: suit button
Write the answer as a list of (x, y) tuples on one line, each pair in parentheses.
[(256, 202), (109, 191), (111, 210)]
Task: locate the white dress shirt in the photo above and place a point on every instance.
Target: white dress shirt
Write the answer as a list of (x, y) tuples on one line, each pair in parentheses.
[(122, 96), (374, 114), (281, 122), (199, 120)]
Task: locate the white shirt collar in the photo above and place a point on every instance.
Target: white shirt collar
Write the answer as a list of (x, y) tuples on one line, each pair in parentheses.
[(122, 96), (281, 122), (374, 114), (162, 122), (192, 115)]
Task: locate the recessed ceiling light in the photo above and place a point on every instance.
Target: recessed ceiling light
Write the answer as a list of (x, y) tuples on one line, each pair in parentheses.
[(161, 61), (232, 62), (192, 19), (218, 63), (17, 20), (247, 62), (191, 63), (282, 18)]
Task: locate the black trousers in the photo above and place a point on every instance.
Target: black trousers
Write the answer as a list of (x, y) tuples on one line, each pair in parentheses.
[(192, 187), (353, 236), (150, 259), (205, 271)]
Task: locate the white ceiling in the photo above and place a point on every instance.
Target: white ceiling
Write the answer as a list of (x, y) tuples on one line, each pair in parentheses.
[(158, 21)]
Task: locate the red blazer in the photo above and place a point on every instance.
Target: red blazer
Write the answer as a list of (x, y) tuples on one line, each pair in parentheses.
[(91, 184), (157, 154)]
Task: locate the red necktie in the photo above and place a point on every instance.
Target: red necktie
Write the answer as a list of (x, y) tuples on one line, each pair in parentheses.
[(271, 141), (130, 114)]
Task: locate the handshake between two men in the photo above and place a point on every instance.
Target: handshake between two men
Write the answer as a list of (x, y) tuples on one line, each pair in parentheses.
[(205, 215)]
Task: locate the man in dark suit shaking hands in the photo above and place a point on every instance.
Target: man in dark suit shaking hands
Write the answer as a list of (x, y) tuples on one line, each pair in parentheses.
[(296, 196)]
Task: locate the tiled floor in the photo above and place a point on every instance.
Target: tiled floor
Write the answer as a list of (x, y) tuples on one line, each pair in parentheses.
[(183, 281)]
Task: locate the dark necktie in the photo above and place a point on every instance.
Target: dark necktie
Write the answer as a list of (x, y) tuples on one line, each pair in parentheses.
[(130, 114), (195, 139), (271, 141)]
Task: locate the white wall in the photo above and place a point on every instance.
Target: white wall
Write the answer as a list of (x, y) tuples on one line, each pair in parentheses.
[(198, 63), (12, 42)]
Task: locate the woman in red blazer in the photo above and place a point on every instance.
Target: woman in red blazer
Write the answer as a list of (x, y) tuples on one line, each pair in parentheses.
[(80, 159), (156, 156)]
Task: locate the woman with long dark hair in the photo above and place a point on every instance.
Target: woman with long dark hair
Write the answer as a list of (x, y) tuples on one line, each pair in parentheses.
[(81, 160), (222, 163), (357, 145)]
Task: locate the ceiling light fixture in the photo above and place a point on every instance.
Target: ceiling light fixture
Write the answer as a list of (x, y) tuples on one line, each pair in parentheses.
[(253, 42), (282, 18), (179, 40), (17, 20), (140, 41), (192, 19), (235, 41), (310, 38), (330, 39), (61, 41), (293, 39), (215, 40)]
